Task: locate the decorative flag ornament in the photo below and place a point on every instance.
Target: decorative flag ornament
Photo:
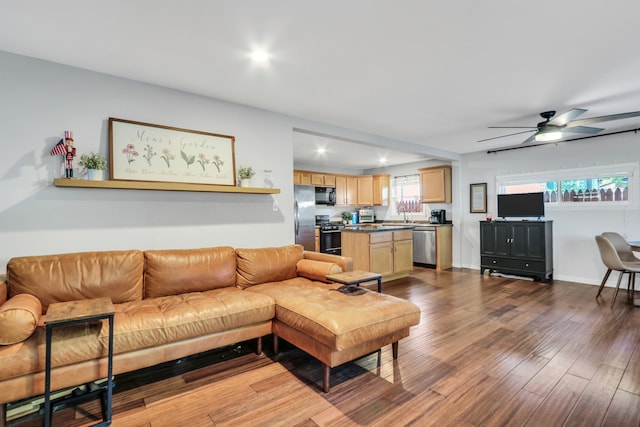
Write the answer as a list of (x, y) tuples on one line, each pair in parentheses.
[(65, 147), (59, 149)]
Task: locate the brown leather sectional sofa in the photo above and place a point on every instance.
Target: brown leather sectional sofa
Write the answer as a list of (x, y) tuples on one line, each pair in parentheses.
[(174, 303)]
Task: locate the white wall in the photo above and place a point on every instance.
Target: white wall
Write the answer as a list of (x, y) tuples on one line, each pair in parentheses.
[(576, 256), (41, 99)]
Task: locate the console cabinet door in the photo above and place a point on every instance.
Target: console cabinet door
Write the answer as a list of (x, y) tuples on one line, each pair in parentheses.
[(502, 238)]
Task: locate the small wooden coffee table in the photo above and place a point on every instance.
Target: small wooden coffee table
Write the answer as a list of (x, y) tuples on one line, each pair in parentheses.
[(356, 277), (67, 313)]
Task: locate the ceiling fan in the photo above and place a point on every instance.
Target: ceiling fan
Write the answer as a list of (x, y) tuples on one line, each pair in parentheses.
[(553, 129)]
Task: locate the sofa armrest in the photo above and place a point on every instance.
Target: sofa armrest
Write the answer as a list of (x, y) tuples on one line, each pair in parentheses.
[(19, 318), (346, 263), (4, 289)]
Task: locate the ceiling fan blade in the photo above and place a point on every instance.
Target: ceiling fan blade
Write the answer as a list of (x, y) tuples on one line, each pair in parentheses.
[(565, 118), (504, 136), (583, 129), (532, 138), (600, 119), (512, 127)]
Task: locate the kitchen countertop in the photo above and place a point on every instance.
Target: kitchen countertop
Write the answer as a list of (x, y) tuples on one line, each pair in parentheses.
[(372, 228)]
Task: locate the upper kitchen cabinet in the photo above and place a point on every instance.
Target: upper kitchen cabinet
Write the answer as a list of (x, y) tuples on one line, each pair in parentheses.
[(346, 190), (436, 184), (351, 190), (323, 180), (381, 188), (314, 178), (365, 190), (301, 177)]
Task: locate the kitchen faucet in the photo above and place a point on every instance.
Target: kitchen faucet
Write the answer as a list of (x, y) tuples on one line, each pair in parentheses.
[(404, 210)]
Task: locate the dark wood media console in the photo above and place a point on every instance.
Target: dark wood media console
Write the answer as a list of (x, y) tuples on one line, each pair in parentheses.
[(522, 248)]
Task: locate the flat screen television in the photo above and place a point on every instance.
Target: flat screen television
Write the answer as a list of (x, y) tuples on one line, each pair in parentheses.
[(523, 205)]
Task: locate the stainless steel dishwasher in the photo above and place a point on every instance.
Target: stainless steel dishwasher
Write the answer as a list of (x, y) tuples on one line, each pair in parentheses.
[(424, 245)]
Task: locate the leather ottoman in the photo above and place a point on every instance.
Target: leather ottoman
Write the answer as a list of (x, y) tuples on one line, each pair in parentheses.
[(336, 327)]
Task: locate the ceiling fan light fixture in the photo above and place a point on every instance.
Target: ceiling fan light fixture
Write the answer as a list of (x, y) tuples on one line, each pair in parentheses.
[(548, 136)]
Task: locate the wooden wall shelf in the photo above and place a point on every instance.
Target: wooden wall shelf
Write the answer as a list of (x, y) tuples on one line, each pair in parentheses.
[(167, 186)]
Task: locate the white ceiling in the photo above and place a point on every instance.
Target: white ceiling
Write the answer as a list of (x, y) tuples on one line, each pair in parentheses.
[(431, 73)]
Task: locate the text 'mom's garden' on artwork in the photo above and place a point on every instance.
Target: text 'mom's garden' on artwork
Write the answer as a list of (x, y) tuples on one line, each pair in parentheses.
[(147, 152)]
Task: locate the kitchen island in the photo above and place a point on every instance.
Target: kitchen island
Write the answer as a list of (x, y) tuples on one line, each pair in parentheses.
[(385, 249)]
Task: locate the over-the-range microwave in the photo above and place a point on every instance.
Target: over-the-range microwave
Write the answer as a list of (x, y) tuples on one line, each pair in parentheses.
[(325, 196)]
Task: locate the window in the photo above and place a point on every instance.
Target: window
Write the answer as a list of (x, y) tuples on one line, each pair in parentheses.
[(406, 194), (607, 184)]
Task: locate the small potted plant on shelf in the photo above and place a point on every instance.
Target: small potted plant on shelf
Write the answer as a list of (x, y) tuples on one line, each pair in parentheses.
[(346, 217), (246, 173), (94, 163)]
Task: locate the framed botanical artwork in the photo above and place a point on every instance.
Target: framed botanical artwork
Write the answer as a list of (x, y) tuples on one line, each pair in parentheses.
[(478, 198), (147, 152)]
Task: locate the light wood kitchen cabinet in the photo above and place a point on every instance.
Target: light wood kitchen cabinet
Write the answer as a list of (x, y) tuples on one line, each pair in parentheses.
[(444, 247), (323, 180), (352, 190), (389, 253), (341, 190), (365, 190), (381, 190), (301, 177), (330, 180), (402, 251), (436, 184)]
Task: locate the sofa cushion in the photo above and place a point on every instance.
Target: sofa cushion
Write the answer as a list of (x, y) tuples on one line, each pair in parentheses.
[(316, 270), (263, 265), (156, 321), (19, 317), (172, 272), (77, 276), (338, 320)]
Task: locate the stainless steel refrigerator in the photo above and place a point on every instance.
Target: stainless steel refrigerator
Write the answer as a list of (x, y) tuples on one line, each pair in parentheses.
[(304, 216)]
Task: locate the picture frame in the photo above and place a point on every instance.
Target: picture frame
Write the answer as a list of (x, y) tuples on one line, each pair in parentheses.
[(478, 198), (149, 152)]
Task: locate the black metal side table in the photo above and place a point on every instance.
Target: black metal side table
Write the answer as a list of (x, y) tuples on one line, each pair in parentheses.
[(68, 313)]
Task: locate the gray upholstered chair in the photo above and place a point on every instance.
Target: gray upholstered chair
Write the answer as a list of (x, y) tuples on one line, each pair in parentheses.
[(622, 247), (612, 261)]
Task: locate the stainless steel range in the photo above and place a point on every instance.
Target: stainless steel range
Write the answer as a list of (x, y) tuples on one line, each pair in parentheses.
[(330, 235)]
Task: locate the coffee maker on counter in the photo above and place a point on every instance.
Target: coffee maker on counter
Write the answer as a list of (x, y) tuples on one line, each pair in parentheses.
[(438, 216)]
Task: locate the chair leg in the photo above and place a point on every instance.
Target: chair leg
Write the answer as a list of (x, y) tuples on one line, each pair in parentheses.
[(604, 280), (615, 294)]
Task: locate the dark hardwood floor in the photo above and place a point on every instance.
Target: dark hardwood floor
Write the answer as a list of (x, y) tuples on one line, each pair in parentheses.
[(489, 351)]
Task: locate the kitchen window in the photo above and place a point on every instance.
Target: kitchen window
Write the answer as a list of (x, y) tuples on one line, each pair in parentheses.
[(596, 185), (406, 195)]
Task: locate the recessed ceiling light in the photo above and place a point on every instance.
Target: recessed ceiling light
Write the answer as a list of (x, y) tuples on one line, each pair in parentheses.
[(259, 55), (321, 150), (383, 160)]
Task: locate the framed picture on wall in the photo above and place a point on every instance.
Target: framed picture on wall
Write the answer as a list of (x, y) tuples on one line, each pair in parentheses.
[(478, 198), (147, 152)]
